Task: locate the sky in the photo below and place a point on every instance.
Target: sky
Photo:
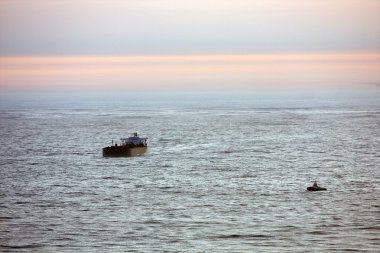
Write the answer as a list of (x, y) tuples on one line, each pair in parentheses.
[(187, 45)]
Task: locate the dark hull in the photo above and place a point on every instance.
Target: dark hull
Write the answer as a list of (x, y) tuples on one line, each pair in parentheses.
[(123, 151), (313, 189)]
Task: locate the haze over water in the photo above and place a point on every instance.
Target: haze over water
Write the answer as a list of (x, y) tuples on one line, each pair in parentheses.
[(223, 173)]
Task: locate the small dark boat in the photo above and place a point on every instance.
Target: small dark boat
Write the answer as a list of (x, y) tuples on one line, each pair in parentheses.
[(131, 146), (315, 187)]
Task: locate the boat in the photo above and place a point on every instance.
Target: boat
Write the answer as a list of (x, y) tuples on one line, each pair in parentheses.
[(315, 187), (131, 146)]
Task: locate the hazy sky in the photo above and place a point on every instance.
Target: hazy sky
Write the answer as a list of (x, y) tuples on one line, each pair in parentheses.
[(56, 27), (276, 29)]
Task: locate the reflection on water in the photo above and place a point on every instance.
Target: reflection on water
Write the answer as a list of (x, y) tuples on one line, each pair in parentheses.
[(220, 175)]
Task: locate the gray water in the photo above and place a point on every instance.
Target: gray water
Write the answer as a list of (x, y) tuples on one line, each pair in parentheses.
[(222, 173)]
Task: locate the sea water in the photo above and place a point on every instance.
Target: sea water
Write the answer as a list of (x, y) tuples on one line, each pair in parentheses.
[(223, 173)]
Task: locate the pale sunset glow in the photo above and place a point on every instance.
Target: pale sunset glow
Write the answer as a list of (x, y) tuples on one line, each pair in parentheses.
[(189, 125), (186, 45), (165, 72)]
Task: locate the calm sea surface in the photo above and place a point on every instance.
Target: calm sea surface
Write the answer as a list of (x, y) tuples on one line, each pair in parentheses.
[(223, 173)]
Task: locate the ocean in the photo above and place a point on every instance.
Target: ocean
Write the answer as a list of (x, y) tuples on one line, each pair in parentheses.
[(223, 172)]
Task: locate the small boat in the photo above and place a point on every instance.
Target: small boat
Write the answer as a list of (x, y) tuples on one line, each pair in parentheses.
[(131, 146), (315, 187)]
